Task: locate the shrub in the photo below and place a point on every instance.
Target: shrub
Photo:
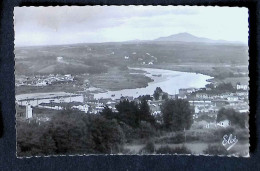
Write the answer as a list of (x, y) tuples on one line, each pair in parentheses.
[(216, 150), (176, 150), (149, 148)]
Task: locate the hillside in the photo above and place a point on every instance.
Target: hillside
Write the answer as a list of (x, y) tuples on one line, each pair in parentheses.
[(98, 57), (186, 37)]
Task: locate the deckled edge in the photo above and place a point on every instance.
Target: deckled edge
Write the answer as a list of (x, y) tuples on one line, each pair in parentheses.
[(80, 155)]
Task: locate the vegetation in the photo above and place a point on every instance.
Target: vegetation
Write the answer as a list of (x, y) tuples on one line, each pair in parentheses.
[(69, 132), (236, 118), (169, 150), (157, 92), (130, 113), (216, 150), (177, 114)]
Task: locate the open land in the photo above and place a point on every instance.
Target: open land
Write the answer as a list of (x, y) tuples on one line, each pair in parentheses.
[(95, 68)]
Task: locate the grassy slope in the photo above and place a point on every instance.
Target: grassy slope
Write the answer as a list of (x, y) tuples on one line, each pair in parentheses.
[(105, 61)]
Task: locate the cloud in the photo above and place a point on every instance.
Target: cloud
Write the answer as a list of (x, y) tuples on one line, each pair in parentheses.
[(63, 25)]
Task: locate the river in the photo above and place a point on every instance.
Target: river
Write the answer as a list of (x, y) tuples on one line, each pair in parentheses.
[(169, 81)]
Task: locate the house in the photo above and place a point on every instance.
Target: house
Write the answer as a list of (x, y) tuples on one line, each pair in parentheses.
[(242, 86), (224, 123), (182, 96), (232, 98), (29, 111), (59, 59), (83, 108), (150, 63), (211, 125), (202, 95), (126, 57)]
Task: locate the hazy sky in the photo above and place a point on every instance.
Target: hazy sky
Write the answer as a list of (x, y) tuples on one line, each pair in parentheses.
[(67, 25)]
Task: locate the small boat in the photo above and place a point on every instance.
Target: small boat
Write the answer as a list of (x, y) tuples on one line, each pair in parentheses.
[(158, 75)]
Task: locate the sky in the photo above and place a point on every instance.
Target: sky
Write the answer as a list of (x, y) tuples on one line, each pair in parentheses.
[(94, 24)]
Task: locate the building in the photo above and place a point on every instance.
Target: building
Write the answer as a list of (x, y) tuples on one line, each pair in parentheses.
[(225, 123), (59, 59), (242, 86), (29, 111), (232, 98), (200, 95)]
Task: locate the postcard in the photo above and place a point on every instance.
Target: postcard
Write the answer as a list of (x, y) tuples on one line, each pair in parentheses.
[(131, 80)]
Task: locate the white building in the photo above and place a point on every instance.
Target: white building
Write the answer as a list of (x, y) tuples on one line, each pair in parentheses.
[(225, 123), (29, 112), (232, 98), (59, 59), (242, 86)]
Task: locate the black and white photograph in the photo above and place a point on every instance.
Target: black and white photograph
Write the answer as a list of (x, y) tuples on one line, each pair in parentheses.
[(131, 80)]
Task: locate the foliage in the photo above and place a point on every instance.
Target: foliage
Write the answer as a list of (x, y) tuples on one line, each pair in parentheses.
[(146, 130), (216, 150), (108, 113), (33, 139), (132, 113), (145, 97), (157, 93), (227, 87), (165, 96), (145, 114), (128, 112), (69, 132), (177, 114), (236, 118), (106, 135), (176, 150), (206, 118), (149, 148)]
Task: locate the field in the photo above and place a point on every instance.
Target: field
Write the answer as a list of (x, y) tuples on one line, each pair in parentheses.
[(104, 65)]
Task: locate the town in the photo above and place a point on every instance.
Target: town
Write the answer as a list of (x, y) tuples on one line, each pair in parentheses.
[(205, 102)]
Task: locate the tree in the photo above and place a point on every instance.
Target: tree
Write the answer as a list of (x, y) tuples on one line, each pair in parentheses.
[(108, 113), (225, 87), (106, 135), (165, 96), (234, 117), (128, 112), (146, 97), (144, 112), (157, 93), (177, 114), (70, 132)]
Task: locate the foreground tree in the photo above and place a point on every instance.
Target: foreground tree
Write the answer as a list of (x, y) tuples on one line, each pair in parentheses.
[(144, 112), (128, 112), (69, 132), (177, 114), (108, 113)]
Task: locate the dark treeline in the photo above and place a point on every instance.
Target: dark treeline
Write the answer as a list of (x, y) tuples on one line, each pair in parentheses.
[(74, 132)]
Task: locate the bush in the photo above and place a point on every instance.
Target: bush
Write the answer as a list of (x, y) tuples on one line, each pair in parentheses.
[(149, 148), (146, 130), (175, 139), (69, 132), (176, 150), (216, 150)]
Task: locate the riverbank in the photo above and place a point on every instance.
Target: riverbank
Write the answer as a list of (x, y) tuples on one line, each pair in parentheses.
[(221, 73), (169, 81)]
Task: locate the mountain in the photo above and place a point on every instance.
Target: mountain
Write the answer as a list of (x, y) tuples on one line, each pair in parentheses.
[(186, 37)]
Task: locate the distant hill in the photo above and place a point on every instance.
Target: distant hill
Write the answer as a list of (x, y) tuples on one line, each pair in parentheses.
[(186, 37)]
